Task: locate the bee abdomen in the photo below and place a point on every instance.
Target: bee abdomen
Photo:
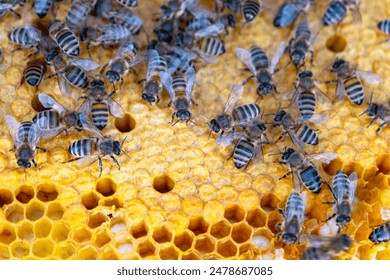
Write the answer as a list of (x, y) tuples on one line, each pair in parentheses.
[(212, 46), (47, 120), (380, 234), (246, 112), (81, 148), (42, 7), (335, 13), (77, 77), (307, 104), (179, 84), (68, 42), (311, 179), (250, 9), (295, 203), (243, 153), (354, 90), (128, 3), (307, 135), (259, 57), (384, 26), (27, 130), (33, 74), (99, 114)]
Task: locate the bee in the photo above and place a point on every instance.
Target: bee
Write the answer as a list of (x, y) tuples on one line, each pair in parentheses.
[(64, 37), (384, 26), (208, 48), (293, 215), (300, 44), (348, 81), (380, 234), (343, 191), (99, 102), (42, 7), (127, 19), (289, 12), (251, 9), (87, 151), (27, 37), (128, 3), (303, 170), (78, 13), (262, 69), (175, 9), (33, 73), (232, 5), (26, 136), (378, 112), (296, 127), (106, 35), (59, 119), (249, 145), (11, 6), (232, 116), (70, 70), (326, 247), (337, 11)]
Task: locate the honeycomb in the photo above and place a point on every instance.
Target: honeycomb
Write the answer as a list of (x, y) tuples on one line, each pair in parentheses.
[(178, 197)]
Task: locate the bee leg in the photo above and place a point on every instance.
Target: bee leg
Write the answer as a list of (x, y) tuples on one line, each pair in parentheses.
[(173, 117), (100, 166), (42, 149), (286, 175), (117, 163), (332, 82), (35, 164), (15, 13), (372, 121), (380, 127), (141, 81), (72, 159), (329, 218), (281, 136)]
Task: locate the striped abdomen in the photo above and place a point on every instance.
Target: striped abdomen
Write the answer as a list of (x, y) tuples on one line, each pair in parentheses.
[(211, 46), (47, 120), (129, 56), (307, 104), (179, 84), (335, 13), (294, 208), (250, 9), (384, 26), (307, 135), (380, 234), (77, 14), (158, 64), (246, 112), (33, 73), (20, 36), (77, 77), (114, 34), (27, 131), (42, 7), (341, 185), (243, 153), (303, 30), (311, 179), (68, 42), (354, 90), (81, 148), (99, 114), (259, 58)]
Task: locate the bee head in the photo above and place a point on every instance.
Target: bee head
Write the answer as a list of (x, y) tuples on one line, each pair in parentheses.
[(264, 88), (117, 148), (49, 58), (112, 76), (372, 109), (97, 82), (298, 58), (214, 125), (305, 74), (289, 238), (343, 219), (24, 164), (337, 64), (287, 153), (231, 20), (376, 237), (183, 115), (279, 115)]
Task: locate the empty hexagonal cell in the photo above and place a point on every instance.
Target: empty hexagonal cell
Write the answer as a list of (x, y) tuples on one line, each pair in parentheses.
[(4, 252), (220, 229), (81, 234), (163, 183), (64, 250), (274, 218), (34, 210), (108, 253), (25, 231), (6, 197), (204, 244), (42, 248), (336, 43), (383, 163), (97, 219), (198, 225), (20, 249), (184, 240), (262, 238), (169, 253), (14, 212), (269, 201), (112, 201), (54, 210), (334, 166), (146, 247), (106, 186), (7, 233), (234, 213), (60, 231), (87, 252), (190, 256), (256, 217), (90, 199), (139, 229), (24, 193), (42, 227), (162, 234), (125, 124), (47, 192), (226, 248), (241, 232), (100, 237)]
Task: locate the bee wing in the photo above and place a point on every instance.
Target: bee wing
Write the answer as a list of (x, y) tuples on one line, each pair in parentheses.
[(166, 81), (245, 57), (340, 90), (86, 161), (139, 58), (207, 57), (115, 108), (353, 179), (275, 59), (297, 142), (32, 32), (49, 102), (63, 85), (47, 134), (85, 108), (33, 138), (228, 138), (234, 97), (85, 64), (212, 30), (323, 99), (5, 6), (190, 77), (369, 77), (297, 182), (88, 125), (326, 157), (153, 57), (12, 126), (320, 241), (316, 118), (198, 11), (258, 156)]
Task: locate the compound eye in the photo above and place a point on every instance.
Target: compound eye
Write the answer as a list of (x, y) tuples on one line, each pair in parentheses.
[(20, 162)]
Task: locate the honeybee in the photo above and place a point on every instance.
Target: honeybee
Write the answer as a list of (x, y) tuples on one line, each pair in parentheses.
[(42, 7), (384, 26), (293, 215), (11, 7), (378, 112), (343, 191), (99, 102), (251, 9), (33, 73), (380, 234), (208, 48), (59, 119), (348, 80), (92, 149), (326, 247), (258, 63), (64, 37), (175, 9), (232, 116), (26, 136), (78, 13), (303, 170), (127, 19), (289, 12), (27, 37), (337, 11)]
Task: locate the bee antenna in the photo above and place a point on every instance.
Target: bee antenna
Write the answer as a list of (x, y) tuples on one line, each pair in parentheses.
[(191, 121), (124, 139), (175, 123)]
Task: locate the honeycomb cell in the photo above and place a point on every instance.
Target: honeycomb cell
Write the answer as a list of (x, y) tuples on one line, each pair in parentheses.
[(383, 163), (47, 192), (169, 253), (125, 248), (139, 229), (108, 253), (90, 199), (36, 104), (241, 232), (190, 256), (262, 238), (87, 252), (336, 43), (256, 217), (25, 231), (220, 229), (162, 234), (42, 227), (184, 240), (226, 248), (274, 218), (34, 210), (4, 252), (234, 213), (269, 202), (125, 124), (14, 213), (112, 201), (198, 225), (7, 233), (204, 244), (42, 248), (64, 250), (20, 249), (6, 197), (100, 237), (163, 183), (60, 231), (24, 193), (334, 166), (146, 247), (54, 210), (106, 186), (81, 234), (97, 219)]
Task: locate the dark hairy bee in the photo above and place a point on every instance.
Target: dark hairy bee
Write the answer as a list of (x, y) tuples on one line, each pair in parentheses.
[(290, 11), (380, 234), (380, 113), (33, 73), (326, 247), (64, 37), (303, 170), (337, 11)]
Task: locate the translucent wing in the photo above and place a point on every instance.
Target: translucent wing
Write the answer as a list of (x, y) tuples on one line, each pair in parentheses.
[(198, 11), (245, 57), (369, 77), (323, 99), (234, 97), (228, 138), (63, 85), (286, 15), (318, 118), (211, 30), (12, 126), (49, 102), (87, 161), (297, 182), (172, 65), (353, 179), (166, 81), (85, 108), (297, 142), (154, 59), (207, 57), (275, 59), (326, 157), (115, 108), (258, 156), (340, 90), (139, 59), (5, 6), (190, 77), (86, 64), (88, 125), (47, 134), (34, 135), (32, 32), (320, 241)]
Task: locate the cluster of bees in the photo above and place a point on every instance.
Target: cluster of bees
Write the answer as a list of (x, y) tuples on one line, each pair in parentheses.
[(185, 34)]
